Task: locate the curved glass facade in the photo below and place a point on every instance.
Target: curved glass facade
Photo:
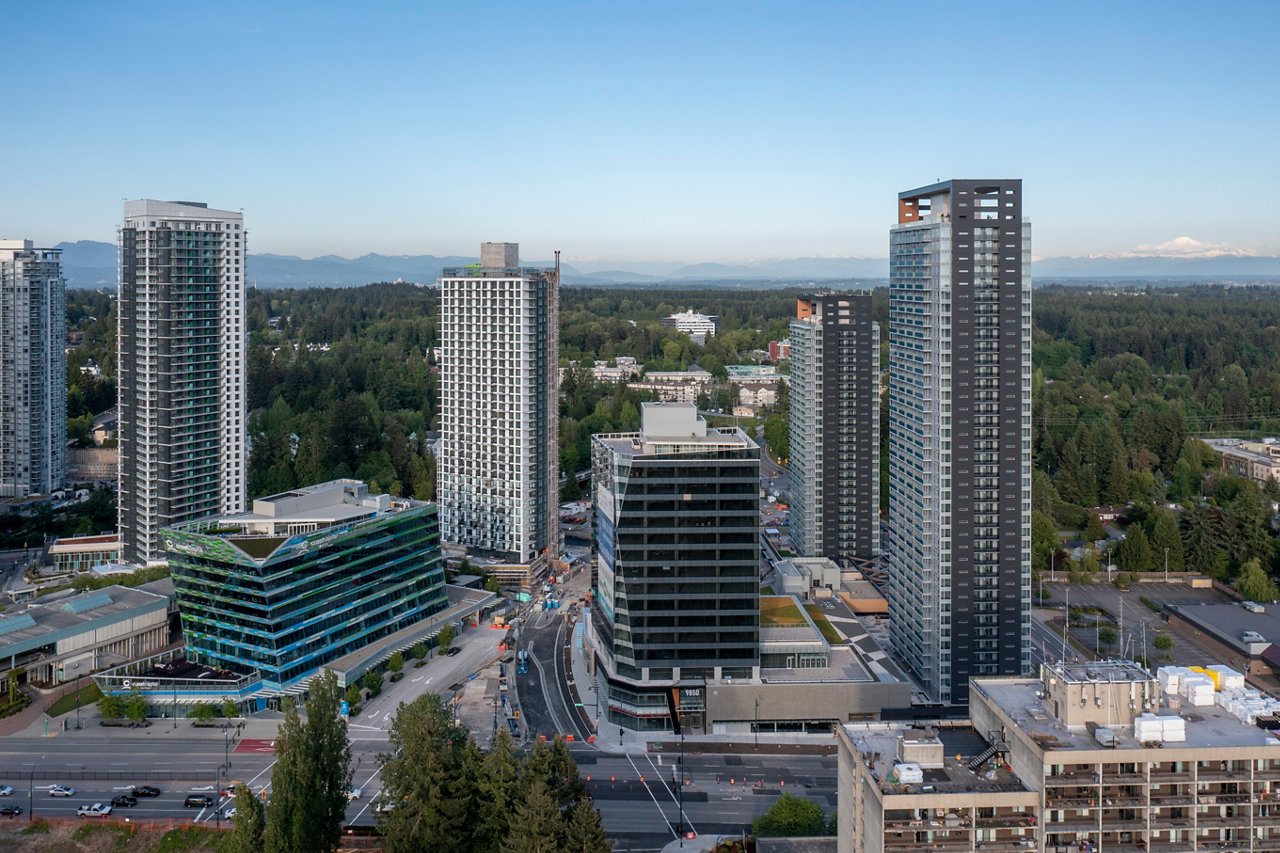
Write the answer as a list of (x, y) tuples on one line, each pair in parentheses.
[(287, 606)]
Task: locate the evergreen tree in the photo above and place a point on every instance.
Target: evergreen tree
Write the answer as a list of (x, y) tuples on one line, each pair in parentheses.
[(1134, 553), (248, 824), (1116, 490), (537, 826), (1164, 534), (1095, 531), (312, 774), (496, 786), (1075, 480), (427, 781), (1203, 539), (583, 833)]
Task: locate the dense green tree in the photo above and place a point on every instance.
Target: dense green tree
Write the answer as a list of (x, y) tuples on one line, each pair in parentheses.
[(583, 833), (1165, 535), (372, 681), (135, 707), (1095, 531), (1044, 540), (426, 778), (201, 712), (420, 650), (248, 824), (312, 774), (444, 639), (790, 817), (1134, 553), (1254, 584), (110, 706), (396, 662), (537, 825)]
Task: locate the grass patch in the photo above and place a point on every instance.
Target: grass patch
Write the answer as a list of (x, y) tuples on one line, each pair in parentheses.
[(1150, 605), (38, 826), (89, 695), (779, 611), (189, 838), (766, 590), (85, 830), (828, 631)]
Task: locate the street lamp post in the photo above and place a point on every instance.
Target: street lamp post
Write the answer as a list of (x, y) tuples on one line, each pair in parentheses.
[(757, 727), (1166, 565), (31, 792), (680, 790)]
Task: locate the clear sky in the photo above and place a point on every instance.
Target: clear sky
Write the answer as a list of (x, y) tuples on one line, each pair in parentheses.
[(616, 131)]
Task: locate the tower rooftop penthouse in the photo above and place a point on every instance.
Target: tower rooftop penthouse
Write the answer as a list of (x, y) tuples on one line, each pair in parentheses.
[(674, 428), (305, 510)]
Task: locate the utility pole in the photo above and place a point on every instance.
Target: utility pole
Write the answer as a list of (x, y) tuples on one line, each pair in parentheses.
[(757, 732), (680, 791), (1166, 565)]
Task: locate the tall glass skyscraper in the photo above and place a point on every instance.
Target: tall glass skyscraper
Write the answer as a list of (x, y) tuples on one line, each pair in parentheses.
[(182, 370), (308, 576), (500, 410), (835, 427), (33, 370), (959, 550)]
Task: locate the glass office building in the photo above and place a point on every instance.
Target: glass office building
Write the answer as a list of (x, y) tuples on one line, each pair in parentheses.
[(308, 577)]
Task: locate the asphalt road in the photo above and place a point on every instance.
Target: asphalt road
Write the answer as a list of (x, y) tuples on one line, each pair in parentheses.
[(640, 803)]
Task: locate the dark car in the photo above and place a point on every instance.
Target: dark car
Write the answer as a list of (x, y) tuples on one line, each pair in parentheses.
[(146, 791), (456, 650), (198, 801), (10, 811), (125, 801)]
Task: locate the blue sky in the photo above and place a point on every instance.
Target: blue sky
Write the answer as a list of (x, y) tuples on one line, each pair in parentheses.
[(705, 131)]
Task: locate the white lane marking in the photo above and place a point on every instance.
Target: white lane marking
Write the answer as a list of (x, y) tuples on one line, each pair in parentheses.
[(656, 804), (264, 770)]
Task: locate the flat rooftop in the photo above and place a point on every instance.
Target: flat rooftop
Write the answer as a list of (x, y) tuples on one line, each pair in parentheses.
[(1206, 726), (39, 623), (303, 510), (1228, 622), (878, 742)]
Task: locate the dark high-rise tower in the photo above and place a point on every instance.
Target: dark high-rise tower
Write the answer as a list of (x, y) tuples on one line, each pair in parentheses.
[(677, 592), (835, 427), (959, 549)]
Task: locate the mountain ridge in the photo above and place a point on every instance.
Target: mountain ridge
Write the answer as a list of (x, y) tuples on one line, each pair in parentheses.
[(89, 263)]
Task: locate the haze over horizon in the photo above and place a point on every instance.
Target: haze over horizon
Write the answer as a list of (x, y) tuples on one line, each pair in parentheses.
[(723, 132)]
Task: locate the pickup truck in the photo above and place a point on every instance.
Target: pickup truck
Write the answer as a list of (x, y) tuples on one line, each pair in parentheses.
[(95, 810)]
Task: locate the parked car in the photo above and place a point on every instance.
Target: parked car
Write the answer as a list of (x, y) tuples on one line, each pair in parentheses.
[(61, 791), (10, 811), (145, 791), (124, 801), (198, 801), (95, 810), (6, 790)]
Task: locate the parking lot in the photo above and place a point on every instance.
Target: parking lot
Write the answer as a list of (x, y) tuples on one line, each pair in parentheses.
[(1136, 624)]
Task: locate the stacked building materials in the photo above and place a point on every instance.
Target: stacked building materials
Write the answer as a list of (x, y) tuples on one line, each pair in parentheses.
[(1198, 689), (1228, 678), (1170, 678), (1173, 729), (1148, 729)]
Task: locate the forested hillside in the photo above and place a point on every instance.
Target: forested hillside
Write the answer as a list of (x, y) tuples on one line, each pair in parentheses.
[(343, 383)]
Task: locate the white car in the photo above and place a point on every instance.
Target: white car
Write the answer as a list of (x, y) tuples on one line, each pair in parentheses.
[(61, 791), (95, 810), (6, 791), (354, 793)]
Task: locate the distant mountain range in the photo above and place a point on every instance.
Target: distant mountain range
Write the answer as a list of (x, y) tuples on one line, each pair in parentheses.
[(88, 264)]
